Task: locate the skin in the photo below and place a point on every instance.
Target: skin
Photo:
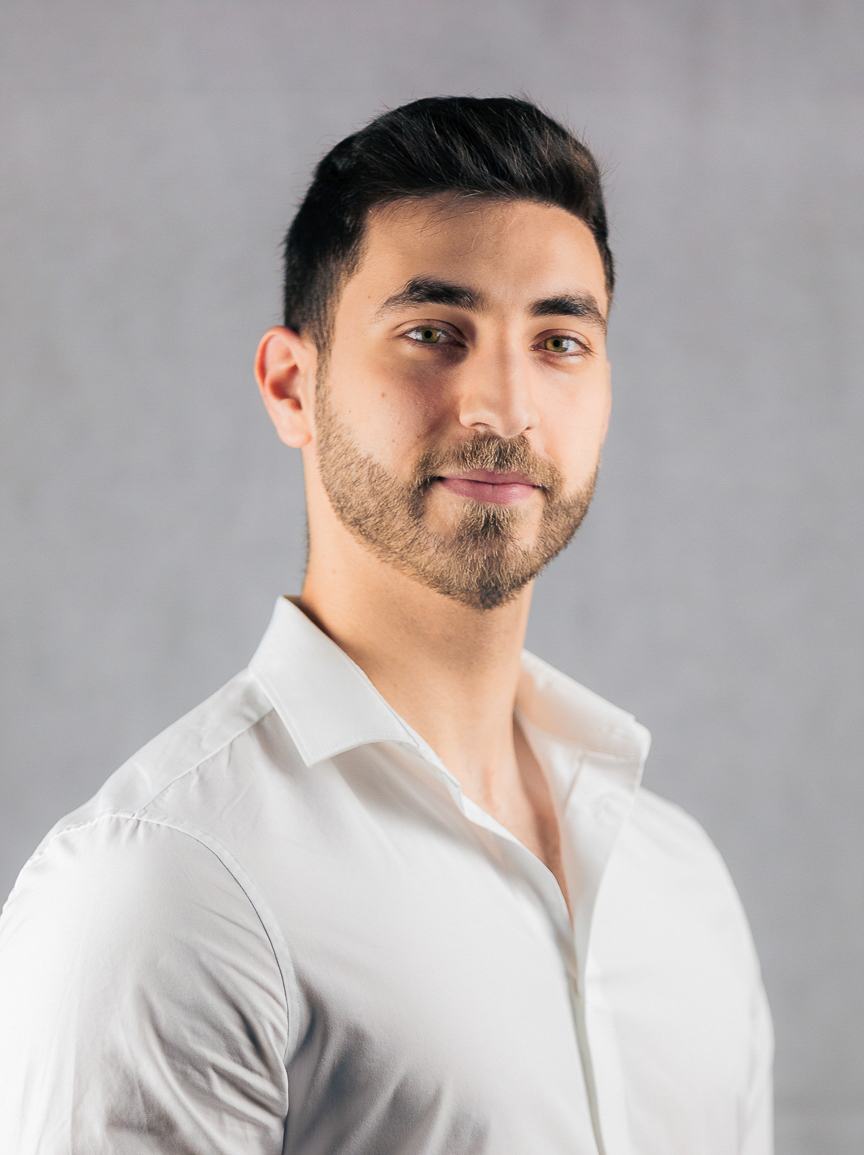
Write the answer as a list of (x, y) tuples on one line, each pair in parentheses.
[(451, 669)]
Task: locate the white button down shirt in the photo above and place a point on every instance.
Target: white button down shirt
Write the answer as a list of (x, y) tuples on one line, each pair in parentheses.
[(281, 927)]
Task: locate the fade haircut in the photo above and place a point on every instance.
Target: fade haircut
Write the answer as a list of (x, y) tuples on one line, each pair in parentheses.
[(500, 148)]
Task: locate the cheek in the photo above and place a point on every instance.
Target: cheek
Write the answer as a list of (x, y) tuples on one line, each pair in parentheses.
[(575, 434), (391, 417), (390, 407)]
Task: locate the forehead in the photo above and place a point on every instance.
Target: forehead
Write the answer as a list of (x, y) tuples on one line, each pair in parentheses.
[(513, 251)]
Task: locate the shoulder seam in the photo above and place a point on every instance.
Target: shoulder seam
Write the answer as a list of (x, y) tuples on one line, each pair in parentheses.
[(206, 758), (262, 912)]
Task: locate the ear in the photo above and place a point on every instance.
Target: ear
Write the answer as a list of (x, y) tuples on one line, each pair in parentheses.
[(285, 368)]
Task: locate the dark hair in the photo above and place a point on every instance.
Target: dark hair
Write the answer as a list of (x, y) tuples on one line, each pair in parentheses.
[(501, 147)]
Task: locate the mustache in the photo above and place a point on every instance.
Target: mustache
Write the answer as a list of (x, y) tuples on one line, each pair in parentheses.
[(486, 451)]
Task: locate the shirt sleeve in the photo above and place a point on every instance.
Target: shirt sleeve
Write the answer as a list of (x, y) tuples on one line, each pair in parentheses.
[(757, 1130), (142, 1008)]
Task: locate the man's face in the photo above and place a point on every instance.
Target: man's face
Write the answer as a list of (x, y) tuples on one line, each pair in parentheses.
[(461, 413)]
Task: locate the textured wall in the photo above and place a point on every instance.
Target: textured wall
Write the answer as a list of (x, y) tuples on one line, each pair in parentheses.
[(151, 153)]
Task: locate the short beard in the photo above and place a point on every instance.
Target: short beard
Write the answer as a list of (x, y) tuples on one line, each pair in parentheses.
[(480, 564)]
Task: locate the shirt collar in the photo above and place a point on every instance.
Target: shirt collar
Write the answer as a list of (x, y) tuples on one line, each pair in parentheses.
[(592, 751), (324, 699), (328, 705)]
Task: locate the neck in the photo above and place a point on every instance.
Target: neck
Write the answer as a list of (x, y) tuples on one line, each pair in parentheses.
[(449, 670)]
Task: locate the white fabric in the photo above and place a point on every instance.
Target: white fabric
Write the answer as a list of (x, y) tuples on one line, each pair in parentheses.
[(280, 927)]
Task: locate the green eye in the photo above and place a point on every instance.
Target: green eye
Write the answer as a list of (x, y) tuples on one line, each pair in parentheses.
[(561, 345)]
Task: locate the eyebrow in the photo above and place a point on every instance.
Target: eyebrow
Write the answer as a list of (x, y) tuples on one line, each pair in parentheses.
[(433, 291), (570, 305)]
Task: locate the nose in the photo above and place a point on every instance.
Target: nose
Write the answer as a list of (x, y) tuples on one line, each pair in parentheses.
[(496, 395)]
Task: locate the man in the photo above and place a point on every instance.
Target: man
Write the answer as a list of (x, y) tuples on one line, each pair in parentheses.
[(395, 888)]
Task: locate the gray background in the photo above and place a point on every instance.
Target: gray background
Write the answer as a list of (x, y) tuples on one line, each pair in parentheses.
[(151, 154)]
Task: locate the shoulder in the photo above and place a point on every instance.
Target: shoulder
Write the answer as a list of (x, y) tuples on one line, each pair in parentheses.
[(663, 839), (131, 953), (148, 867), (666, 830), (180, 776), (127, 904), (129, 884), (671, 878)]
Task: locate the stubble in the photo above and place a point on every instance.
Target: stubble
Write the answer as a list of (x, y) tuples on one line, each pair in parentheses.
[(480, 562)]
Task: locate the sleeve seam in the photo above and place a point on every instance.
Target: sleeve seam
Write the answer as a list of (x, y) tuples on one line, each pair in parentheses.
[(265, 918)]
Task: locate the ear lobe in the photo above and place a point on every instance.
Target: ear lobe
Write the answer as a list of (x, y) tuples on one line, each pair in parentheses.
[(285, 367)]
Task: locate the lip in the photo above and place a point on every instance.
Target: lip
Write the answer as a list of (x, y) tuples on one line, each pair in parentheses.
[(489, 477), (494, 488)]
